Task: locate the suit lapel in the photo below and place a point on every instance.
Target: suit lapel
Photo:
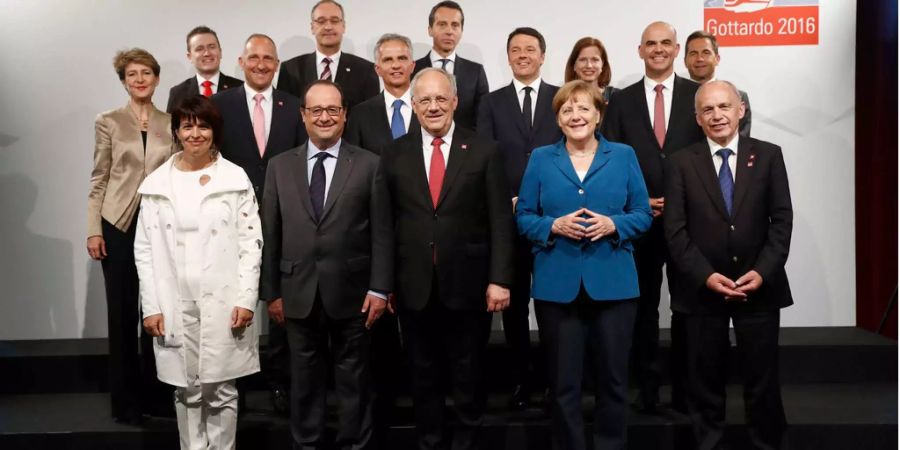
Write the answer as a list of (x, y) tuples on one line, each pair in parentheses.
[(706, 171), (385, 123), (225, 82), (310, 68), (342, 70), (240, 96), (680, 102), (416, 167), (339, 179), (600, 159), (513, 109), (300, 174), (279, 113), (542, 106), (641, 101), (564, 164), (193, 87), (744, 168)]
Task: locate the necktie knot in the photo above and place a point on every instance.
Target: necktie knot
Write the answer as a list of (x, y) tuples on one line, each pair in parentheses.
[(527, 89), (258, 98), (444, 62), (326, 60), (659, 88), (207, 88), (437, 142), (207, 83), (724, 153), (321, 156), (397, 104)]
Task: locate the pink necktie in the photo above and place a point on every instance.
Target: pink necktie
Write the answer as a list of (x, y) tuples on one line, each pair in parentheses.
[(659, 117), (259, 124), (436, 171)]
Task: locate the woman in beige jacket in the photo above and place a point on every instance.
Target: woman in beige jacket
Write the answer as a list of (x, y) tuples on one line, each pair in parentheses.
[(131, 142)]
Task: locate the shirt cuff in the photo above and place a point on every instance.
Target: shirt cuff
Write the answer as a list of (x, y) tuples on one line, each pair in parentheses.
[(377, 294)]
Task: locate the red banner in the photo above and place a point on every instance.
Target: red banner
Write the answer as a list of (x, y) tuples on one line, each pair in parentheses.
[(774, 25)]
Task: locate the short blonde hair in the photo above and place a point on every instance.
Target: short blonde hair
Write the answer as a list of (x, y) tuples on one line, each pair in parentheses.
[(575, 88), (135, 55)]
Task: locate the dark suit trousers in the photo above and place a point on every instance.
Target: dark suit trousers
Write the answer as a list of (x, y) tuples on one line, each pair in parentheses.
[(440, 341), (650, 256), (277, 357), (132, 372), (707, 363), (515, 318), (311, 340), (603, 329)]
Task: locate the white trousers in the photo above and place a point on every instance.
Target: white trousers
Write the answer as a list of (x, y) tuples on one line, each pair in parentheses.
[(207, 412)]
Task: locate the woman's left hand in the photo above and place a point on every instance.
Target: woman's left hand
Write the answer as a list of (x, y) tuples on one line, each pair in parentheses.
[(241, 317), (599, 226)]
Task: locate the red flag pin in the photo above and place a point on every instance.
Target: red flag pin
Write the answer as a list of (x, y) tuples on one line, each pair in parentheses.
[(464, 146), (750, 162), (280, 103)]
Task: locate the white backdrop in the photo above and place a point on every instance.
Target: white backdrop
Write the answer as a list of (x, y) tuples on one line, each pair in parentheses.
[(57, 75)]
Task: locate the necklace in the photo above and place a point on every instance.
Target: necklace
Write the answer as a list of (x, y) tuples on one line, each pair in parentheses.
[(142, 115), (582, 155)]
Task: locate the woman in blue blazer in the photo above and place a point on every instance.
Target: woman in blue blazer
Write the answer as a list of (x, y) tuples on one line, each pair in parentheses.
[(581, 203)]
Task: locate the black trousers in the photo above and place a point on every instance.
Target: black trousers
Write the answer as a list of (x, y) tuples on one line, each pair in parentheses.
[(311, 341), (650, 256), (603, 331), (707, 373), (133, 387), (442, 341), (387, 359), (515, 318), (277, 357)]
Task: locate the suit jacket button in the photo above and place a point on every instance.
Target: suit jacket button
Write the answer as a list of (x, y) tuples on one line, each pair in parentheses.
[(528, 154), (581, 192), (431, 244), (435, 216), (732, 228), (734, 258), (662, 155)]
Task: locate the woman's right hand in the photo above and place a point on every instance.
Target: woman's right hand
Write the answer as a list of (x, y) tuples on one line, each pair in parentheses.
[(96, 247), (154, 325), (570, 225)]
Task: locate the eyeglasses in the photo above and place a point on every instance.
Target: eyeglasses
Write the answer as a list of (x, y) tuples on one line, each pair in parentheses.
[(316, 111), (426, 101), (334, 21)]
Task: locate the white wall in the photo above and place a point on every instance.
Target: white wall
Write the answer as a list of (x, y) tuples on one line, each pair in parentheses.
[(56, 76)]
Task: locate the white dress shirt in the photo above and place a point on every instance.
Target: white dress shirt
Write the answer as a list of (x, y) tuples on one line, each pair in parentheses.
[(215, 83), (320, 66), (405, 109), (436, 60), (266, 104), (732, 160), (649, 89), (520, 93), (427, 138)]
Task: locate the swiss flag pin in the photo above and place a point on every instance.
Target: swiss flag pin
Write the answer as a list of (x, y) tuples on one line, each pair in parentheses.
[(750, 162)]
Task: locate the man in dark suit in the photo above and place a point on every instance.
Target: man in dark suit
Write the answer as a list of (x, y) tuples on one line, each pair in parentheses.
[(205, 54), (260, 123), (701, 57), (655, 117), (327, 269), (445, 27), (387, 116), (520, 118), (355, 75), (728, 224), (454, 234)]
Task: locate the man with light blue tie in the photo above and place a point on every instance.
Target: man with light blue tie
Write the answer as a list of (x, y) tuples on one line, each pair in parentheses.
[(376, 122)]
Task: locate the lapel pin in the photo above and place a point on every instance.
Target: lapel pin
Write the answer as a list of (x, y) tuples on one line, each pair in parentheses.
[(280, 103), (750, 162), (347, 69), (464, 146)]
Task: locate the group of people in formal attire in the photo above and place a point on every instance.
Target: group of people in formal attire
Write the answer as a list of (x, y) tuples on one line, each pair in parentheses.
[(377, 224)]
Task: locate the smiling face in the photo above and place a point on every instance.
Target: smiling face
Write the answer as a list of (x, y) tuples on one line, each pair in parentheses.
[(395, 65), (434, 103), (719, 111), (658, 49), (259, 62), (196, 137), (328, 27), (589, 64), (204, 54), (578, 118), (525, 57), (324, 116), (701, 60), (446, 30), (140, 81)]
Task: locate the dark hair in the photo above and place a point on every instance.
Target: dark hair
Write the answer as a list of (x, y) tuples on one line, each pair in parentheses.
[(202, 29), (323, 83), (528, 31), (203, 110), (321, 2), (135, 55), (700, 34), (581, 44), (447, 4)]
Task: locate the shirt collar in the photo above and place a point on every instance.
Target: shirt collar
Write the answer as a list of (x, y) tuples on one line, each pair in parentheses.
[(267, 93), (389, 99), (436, 57), (535, 85), (668, 83), (428, 137), (334, 58), (312, 150), (733, 145), (214, 79)]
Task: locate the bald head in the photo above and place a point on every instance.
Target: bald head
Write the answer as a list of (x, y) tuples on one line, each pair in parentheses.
[(719, 110), (659, 48)]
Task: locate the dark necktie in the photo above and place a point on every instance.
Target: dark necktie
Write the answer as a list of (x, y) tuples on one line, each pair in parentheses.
[(526, 108), (444, 62), (326, 72), (398, 126), (317, 184), (726, 181)]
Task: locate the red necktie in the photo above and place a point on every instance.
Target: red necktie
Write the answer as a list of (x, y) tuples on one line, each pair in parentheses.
[(436, 171), (207, 88), (326, 73), (659, 117)]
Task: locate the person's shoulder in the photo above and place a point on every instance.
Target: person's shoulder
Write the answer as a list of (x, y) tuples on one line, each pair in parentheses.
[(757, 145), (371, 103), (181, 86), (689, 151), (356, 60), (286, 98), (547, 151), (360, 154), (281, 158), (460, 61), (114, 113), (297, 60)]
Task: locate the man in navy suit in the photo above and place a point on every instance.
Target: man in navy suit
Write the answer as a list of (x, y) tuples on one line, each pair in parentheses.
[(261, 122), (445, 27), (355, 75), (205, 54), (655, 116), (519, 117)]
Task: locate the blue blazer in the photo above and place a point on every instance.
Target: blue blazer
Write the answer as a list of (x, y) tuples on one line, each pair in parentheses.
[(613, 187)]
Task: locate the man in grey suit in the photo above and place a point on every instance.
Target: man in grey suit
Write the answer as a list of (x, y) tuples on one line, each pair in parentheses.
[(701, 57), (327, 268)]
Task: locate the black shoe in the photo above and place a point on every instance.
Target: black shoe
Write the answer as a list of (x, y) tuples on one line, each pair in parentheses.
[(520, 398), (280, 400)]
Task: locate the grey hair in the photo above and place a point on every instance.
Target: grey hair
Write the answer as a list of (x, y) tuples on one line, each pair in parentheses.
[(387, 37), (734, 90), (449, 76)]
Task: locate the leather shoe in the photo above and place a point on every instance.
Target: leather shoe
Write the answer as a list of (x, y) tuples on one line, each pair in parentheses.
[(280, 400), (520, 398)]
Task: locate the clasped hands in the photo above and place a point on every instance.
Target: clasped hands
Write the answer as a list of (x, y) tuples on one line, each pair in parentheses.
[(734, 290), (575, 226), (240, 318)]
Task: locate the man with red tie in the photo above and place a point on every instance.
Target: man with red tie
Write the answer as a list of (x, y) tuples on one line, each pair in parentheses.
[(454, 236), (205, 54)]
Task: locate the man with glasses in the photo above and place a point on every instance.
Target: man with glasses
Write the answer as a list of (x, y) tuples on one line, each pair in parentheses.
[(355, 75), (327, 269)]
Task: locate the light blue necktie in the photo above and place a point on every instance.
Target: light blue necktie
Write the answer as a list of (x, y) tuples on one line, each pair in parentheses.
[(398, 126), (726, 180)]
